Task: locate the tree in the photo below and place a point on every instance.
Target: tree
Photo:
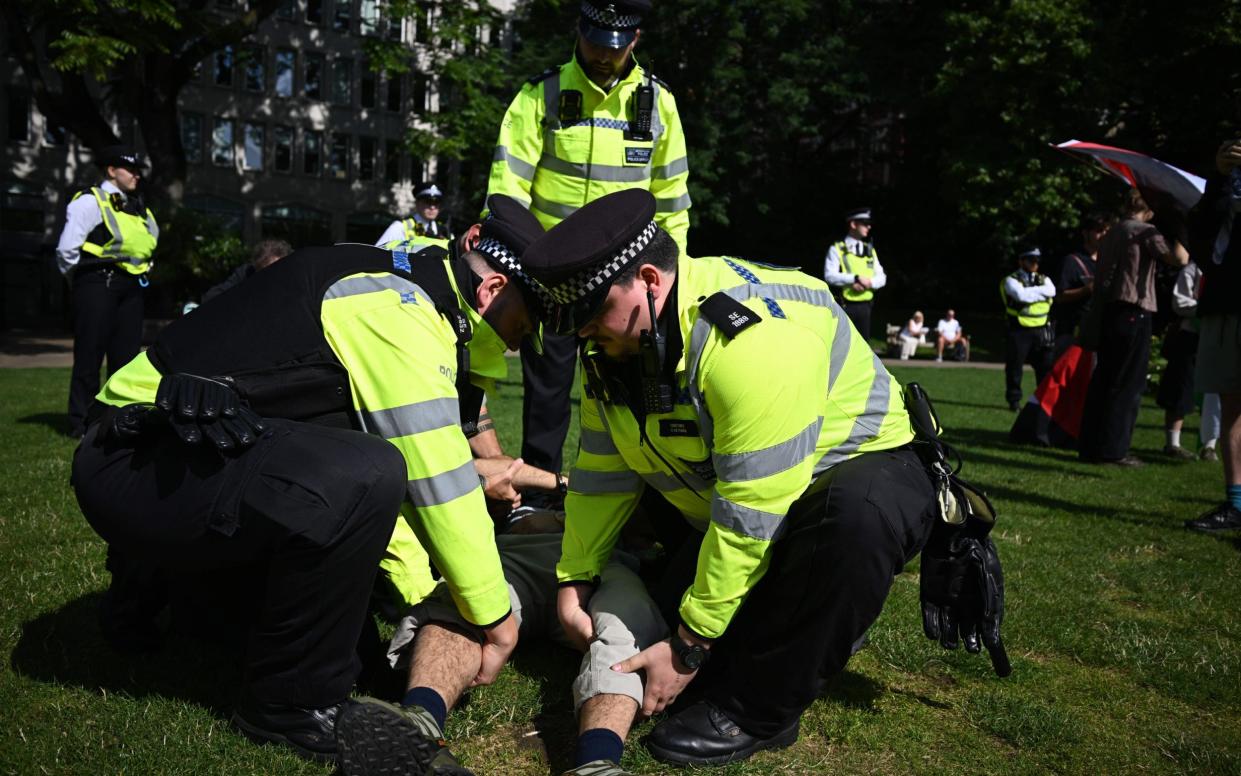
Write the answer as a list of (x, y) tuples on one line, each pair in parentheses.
[(86, 60)]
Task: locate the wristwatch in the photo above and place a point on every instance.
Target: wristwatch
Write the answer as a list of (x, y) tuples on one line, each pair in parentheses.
[(692, 656)]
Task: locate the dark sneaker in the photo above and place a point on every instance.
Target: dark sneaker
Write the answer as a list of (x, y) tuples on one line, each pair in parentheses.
[(598, 768), (309, 732), (1129, 461), (1208, 454), (1178, 452), (1224, 517), (704, 735), (376, 738)]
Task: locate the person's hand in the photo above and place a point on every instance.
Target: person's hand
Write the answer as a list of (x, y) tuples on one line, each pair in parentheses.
[(498, 474), (666, 677), (857, 286), (865, 282), (501, 638), (1228, 156), (579, 626)]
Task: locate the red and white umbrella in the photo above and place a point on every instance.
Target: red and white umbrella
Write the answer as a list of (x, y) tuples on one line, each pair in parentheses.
[(1141, 171)]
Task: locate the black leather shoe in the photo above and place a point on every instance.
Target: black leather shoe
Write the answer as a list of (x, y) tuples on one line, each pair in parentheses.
[(704, 735), (1224, 517), (309, 732)]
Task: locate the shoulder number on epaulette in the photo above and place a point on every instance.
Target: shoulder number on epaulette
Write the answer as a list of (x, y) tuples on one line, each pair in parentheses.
[(727, 314)]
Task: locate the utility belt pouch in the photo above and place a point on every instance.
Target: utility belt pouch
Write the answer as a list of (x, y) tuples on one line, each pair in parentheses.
[(958, 500)]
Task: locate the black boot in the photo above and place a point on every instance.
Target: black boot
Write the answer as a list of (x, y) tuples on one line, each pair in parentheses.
[(704, 735), (309, 732)]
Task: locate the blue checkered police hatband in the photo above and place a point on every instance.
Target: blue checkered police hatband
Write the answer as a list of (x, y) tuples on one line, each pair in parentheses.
[(584, 283), (500, 256), (608, 17)]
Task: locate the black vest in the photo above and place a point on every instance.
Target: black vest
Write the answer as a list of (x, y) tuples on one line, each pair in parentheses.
[(265, 336)]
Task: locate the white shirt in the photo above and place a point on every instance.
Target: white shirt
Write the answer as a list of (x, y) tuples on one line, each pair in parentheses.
[(950, 329), (81, 218), (396, 230), (1185, 294), (833, 262), (1029, 294)]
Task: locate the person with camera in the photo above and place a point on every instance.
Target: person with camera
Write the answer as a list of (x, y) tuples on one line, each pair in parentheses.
[(853, 270), (1027, 295)]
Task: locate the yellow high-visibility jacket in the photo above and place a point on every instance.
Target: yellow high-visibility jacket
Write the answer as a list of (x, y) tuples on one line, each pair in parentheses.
[(757, 417), (556, 166), (131, 239)]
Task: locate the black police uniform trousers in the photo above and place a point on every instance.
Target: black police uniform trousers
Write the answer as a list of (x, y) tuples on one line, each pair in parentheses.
[(314, 507), (107, 321), (846, 540), (1116, 387), (548, 380), (859, 313), (1024, 345)]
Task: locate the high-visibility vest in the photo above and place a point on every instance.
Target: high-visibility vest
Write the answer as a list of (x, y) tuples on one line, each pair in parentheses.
[(418, 236), (564, 142), (131, 239), (1031, 315), (862, 266), (813, 394)]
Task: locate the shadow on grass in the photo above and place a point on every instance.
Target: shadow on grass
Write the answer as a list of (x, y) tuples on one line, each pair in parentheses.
[(65, 647), (56, 421), (553, 667)]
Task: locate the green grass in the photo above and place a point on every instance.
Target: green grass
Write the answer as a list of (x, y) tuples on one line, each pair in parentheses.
[(1123, 628)]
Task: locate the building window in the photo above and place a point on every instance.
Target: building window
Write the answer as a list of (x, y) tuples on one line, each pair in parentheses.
[(421, 90), (368, 17), (282, 149), (342, 81), (366, 158), (19, 115), (301, 226), (253, 146), (192, 137), (338, 157), (393, 99), (314, 12), (226, 213), (394, 26), (312, 76), (312, 153), (392, 162), (422, 23), (222, 69), (287, 10), (222, 142), (342, 18), (366, 86), (286, 60), (52, 134), (255, 68), (22, 206)]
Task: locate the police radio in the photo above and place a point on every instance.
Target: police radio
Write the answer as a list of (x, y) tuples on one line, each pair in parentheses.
[(570, 108), (656, 391), (643, 108)]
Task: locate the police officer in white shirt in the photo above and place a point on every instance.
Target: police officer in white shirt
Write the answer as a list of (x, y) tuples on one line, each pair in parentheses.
[(853, 270), (423, 227), (105, 252)]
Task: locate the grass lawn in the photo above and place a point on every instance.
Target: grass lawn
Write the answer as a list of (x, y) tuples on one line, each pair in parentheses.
[(1124, 631)]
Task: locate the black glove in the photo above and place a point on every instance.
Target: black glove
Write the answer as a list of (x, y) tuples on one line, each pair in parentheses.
[(962, 590), (201, 408)]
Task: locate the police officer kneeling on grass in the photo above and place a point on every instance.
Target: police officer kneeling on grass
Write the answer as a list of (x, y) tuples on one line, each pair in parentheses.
[(238, 438), (738, 396)]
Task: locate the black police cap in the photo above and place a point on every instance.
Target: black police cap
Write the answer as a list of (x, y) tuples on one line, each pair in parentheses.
[(582, 255), (612, 23), (505, 234), (427, 190), (121, 156)]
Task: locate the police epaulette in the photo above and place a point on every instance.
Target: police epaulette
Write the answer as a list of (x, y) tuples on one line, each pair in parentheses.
[(543, 76), (660, 81), (727, 314)]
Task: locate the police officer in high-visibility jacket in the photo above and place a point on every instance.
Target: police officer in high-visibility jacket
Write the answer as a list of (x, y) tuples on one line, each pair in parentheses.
[(738, 404), (423, 228), (1027, 295), (239, 438), (105, 251), (853, 270), (597, 124)]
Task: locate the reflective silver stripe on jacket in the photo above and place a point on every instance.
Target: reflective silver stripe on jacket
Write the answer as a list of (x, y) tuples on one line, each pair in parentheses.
[(369, 285), (609, 173), (671, 169), (113, 249), (597, 442), (673, 205), (866, 425), (412, 418), (666, 482), (442, 488), (742, 467), (590, 482), (747, 521), (555, 209), (519, 167)]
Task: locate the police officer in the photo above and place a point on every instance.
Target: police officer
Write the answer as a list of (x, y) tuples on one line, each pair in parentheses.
[(853, 270), (1027, 295), (793, 523), (423, 228), (597, 124), (105, 251), (238, 438)]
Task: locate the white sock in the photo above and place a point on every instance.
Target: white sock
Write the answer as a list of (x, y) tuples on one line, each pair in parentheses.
[(1210, 443), (1174, 438)]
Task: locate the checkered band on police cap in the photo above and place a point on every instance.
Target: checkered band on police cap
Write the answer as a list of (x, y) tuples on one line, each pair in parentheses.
[(608, 17), (500, 254), (584, 283)]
